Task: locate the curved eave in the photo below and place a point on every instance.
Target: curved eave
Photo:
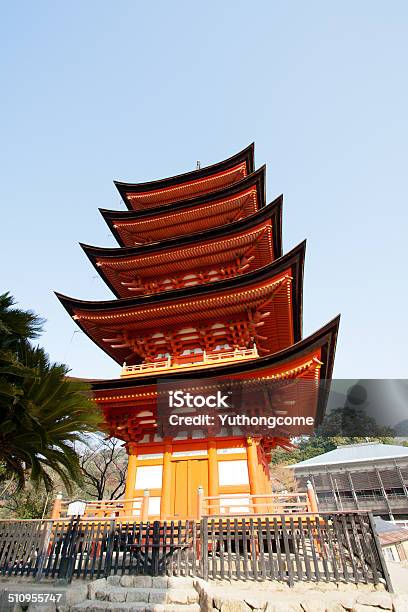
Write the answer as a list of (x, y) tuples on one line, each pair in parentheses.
[(324, 339), (294, 260), (255, 179), (246, 155), (273, 211)]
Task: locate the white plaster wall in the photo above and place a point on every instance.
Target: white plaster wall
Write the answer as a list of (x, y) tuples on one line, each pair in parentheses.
[(149, 477), (233, 472), (154, 506)]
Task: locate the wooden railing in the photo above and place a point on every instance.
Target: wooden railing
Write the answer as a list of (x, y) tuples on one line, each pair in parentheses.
[(225, 504), (242, 504), (188, 361), (136, 508)]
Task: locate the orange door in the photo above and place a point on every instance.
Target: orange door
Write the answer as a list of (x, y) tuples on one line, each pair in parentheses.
[(180, 480), (188, 475), (197, 476)]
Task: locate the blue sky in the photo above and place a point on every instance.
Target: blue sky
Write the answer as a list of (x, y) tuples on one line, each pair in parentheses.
[(96, 91)]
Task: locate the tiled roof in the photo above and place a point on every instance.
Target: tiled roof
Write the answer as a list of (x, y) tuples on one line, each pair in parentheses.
[(393, 537), (389, 533)]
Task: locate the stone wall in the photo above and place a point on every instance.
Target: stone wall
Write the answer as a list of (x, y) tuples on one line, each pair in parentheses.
[(177, 594)]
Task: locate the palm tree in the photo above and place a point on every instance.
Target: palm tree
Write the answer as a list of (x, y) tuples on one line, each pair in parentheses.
[(16, 326), (16, 323), (43, 413)]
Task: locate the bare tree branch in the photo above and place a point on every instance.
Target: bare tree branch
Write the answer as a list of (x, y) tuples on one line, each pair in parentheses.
[(104, 469)]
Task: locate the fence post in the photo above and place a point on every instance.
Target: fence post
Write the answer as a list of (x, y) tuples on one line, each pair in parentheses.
[(144, 511), (383, 564), (67, 561), (312, 498), (204, 548), (109, 548), (200, 493), (45, 549), (56, 508), (156, 548)]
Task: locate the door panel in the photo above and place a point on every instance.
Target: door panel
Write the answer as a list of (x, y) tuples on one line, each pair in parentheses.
[(187, 476), (180, 471), (197, 476)]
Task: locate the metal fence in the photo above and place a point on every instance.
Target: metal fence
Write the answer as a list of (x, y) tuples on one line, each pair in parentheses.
[(338, 547)]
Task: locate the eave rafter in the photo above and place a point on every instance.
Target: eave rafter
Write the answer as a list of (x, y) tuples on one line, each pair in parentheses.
[(211, 330), (189, 216), (196, 265), (169, 195), (135, 424), (232, 249), (228, 298), (312, 358), (210, 178)]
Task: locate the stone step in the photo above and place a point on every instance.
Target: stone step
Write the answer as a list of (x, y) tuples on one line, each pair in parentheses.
[(158, 582), (150, 595), (98, 606)]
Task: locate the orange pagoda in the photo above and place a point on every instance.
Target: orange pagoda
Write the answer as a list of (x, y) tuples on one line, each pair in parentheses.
[(201, 291)]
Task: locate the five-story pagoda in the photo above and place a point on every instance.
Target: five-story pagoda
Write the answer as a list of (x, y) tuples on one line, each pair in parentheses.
[(202, 290)]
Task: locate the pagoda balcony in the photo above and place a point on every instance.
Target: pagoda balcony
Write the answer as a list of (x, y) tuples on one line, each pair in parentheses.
[(188, 362)]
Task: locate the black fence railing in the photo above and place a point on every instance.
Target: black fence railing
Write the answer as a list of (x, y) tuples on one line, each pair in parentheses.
[(96, 548), (336, 546), (340, 547)]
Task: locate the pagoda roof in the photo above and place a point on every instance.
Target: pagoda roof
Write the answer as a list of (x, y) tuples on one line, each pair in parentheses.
[(274, 289), (294, 361), (191, 215), (208, 247), (210, 178)]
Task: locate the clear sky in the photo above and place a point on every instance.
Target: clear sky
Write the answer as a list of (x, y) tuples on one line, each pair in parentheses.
[(95, 91)]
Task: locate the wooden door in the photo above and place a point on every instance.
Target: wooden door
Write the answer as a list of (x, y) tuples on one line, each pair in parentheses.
[(197, 476), (180, 479), (188, 475)]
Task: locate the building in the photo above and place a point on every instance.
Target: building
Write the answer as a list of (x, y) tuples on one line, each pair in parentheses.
[(393, 539), (201, 291), (369, 476)]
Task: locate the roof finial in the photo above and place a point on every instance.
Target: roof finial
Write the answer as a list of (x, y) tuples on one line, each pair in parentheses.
[(198, 165)]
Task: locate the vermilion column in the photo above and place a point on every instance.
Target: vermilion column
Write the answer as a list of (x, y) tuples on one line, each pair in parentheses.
[(265, 474), (166, 484), (266, 485), (213, 480), (130, 480), (255, 485)]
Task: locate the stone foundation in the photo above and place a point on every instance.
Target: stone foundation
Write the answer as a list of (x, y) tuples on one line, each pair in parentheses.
[(237, 596), (162, 594)]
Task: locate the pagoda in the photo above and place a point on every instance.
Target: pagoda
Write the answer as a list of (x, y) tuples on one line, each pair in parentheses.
[(201, 291)]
